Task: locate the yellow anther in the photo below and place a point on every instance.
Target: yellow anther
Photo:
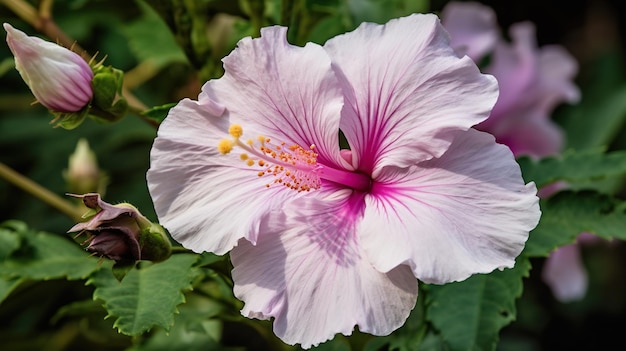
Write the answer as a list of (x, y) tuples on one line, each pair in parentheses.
[(235, 130), (289, 165), (224, 146)]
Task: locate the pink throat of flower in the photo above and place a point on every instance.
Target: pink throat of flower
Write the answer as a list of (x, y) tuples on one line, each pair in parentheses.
[(292, 166)]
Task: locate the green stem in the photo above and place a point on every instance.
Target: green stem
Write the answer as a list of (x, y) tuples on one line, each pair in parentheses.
[(43, 194), (23, 9), (140, 113), (180, 249)]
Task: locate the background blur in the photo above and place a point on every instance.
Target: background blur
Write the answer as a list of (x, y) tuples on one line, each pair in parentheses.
[(593, 31)]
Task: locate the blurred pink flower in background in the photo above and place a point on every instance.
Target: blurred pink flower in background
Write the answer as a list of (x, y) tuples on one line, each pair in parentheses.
[(532, 81), (59, 78), (323, 239)]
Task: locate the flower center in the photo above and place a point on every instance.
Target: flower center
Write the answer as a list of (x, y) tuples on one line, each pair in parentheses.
[(292, 166)]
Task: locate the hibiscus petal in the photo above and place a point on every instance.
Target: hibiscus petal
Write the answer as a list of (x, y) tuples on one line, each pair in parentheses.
[(557, 69), (208, 201), (529, 135), (405, 89), (565, 273), (286, 92), (516, 66), (532, 82), (472, 26), (308, 272), (466, 212)]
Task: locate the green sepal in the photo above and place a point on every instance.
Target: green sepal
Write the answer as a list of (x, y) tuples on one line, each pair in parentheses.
[(108, 104), (155, 244), (69, 120)]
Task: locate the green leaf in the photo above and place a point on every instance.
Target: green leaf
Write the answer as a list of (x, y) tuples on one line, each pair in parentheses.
[(568, 214), (470, 314), (121, 268), (77, 309), (158, 113), (44, 256), (147, 296), (9, 242), (574, 167), (196, 328), (608, 113), (596, 120), (7, 285), (380, 11), (150, 39), (208, 258)]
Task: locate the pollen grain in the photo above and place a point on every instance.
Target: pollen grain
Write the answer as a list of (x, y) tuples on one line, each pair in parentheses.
[(235, 130), (225, 146)]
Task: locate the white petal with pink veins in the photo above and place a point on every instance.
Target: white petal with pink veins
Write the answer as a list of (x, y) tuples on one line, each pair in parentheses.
[(285, 92), (309, 273), (207, 201), (406, 90), (463, 213)]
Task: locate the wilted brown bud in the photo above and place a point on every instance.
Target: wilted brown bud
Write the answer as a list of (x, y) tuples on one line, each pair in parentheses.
[(117, 232)]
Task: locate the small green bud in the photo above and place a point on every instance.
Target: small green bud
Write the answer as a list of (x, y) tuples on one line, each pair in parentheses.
[(155, 245)]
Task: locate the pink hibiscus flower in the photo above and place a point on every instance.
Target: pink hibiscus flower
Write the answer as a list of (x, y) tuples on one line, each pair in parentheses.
[(532, 81), (324, 239)]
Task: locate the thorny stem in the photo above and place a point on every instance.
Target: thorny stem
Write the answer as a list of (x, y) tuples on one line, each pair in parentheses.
[(43, 22), (43, 194)]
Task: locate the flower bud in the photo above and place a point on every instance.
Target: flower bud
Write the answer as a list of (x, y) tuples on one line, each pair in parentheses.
[(59, 78), (120, 232), (83, 175)]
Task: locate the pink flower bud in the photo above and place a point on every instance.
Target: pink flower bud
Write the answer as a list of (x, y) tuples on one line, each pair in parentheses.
[(59, 78)]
